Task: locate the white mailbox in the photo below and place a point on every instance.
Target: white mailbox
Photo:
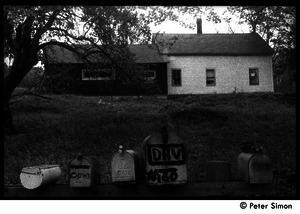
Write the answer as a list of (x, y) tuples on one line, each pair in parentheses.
[(165, 159), (84, 171), (125, 166)]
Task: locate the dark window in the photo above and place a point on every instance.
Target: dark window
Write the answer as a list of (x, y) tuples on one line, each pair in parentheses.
[(176, 77), (253, 76), (210, 77), (97, 74), (150, 74), (147, 72)]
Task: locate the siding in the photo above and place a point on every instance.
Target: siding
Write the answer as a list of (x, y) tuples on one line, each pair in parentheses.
[(66, 78), (231, 72)]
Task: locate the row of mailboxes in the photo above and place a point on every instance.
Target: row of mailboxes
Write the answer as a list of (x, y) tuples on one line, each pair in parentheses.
[(162, 161)]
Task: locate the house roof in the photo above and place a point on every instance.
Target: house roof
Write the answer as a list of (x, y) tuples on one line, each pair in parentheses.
[(147, 54), (143, 54), (212, 44)]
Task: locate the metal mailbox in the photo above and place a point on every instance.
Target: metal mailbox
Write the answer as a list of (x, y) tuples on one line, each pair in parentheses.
[(255, 168), (125, 166), (83, 171), (165, 159), (36, 176)]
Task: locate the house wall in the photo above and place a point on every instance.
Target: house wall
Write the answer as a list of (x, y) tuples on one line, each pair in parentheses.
[(231, 72), (161, 77), (67, 78)]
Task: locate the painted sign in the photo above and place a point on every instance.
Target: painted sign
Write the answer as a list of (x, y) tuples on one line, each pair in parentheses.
[(165, 159), (124, 166), (166, 154), (83, 171)]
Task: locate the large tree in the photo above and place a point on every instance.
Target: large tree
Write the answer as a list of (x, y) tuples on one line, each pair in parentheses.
[(29, 29)]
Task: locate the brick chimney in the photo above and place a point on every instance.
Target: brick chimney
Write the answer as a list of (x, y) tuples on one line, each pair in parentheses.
[(199, 26)]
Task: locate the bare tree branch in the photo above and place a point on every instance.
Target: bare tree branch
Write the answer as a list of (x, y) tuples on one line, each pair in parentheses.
[(82, 55), (50, 22)]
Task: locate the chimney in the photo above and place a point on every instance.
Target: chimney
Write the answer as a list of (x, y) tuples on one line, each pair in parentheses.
[(199, 26)]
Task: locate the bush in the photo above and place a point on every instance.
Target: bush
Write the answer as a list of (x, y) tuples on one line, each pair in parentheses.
[(33, 78), (59, 80)]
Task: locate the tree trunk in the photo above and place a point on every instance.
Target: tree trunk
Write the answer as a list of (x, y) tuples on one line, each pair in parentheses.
[(8, 121), (25, 57), (11, 81)]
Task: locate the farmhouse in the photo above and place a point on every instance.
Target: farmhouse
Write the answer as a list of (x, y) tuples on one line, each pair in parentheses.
[(186, 64)]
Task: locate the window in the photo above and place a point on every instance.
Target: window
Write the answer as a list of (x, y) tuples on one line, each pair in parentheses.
[(147, 72), (97, 74), (150, 74), (210, 77), (176, 77), (253, 76)]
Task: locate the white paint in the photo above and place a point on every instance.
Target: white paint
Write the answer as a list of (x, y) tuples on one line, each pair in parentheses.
[(34, 177), (231, 72)]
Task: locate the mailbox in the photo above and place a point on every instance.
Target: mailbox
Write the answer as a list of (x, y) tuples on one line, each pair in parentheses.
[(125, 166), (165, 158), (83, 171), (255, 168), (36, 176)]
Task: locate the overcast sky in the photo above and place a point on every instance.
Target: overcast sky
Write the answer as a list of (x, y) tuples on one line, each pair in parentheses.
[(207, 26)]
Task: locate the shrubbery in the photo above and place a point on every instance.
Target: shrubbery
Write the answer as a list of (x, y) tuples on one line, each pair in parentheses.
[(33, 79)]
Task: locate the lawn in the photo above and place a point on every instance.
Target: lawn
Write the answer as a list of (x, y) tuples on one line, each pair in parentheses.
[(212, 127)]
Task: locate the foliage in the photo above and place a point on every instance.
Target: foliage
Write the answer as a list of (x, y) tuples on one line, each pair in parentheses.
[(59, 81), (277, 26), (29, 29), (33, 79)]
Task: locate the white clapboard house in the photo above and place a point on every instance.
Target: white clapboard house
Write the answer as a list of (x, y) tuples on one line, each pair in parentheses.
[(216, 63)]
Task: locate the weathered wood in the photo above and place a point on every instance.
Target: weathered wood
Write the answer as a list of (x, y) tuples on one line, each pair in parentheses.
[(142, 191)]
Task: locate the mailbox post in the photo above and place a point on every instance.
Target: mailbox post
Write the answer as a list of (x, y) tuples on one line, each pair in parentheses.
[(83, 171), (165, 158)]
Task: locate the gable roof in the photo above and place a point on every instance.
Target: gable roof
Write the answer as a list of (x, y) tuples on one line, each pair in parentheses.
[(147, 54), (212, 44), (143, 54)]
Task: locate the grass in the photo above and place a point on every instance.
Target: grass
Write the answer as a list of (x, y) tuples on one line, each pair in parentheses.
[(211, 126)]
